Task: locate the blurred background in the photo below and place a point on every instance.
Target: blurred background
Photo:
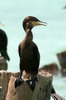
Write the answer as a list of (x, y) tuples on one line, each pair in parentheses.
[(50, 39)]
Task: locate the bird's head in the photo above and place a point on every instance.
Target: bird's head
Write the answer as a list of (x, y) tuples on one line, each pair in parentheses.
[(30, 21)]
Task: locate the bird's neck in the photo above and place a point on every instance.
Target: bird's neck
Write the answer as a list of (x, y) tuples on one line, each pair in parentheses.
[(29, 34)]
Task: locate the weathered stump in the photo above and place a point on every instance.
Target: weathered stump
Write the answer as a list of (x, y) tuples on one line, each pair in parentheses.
[(4, 80), (3, 64), (8, 92), (62, 59)]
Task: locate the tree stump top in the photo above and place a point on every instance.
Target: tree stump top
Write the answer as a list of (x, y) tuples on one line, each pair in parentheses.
[(23, 92)]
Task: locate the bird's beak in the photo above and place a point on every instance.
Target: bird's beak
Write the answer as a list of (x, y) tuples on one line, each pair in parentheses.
[(36, 23)]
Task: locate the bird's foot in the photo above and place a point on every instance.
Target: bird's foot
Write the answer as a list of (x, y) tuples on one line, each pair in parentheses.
[(18, 82), (32, 83)]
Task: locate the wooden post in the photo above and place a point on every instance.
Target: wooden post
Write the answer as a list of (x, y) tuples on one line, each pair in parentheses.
[(62, 60), (3, 64), (23, 92)]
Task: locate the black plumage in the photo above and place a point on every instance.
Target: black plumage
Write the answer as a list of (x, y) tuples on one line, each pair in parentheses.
[(29, 56), (3, 45), (28, 50)]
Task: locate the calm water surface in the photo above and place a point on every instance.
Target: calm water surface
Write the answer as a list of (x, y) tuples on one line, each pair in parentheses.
[(50, 39)]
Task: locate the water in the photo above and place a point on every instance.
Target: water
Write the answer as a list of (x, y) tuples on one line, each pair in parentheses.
[(50, 39)]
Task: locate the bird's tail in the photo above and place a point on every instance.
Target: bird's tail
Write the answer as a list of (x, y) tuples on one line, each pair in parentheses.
[(57, 97), (5, 55)]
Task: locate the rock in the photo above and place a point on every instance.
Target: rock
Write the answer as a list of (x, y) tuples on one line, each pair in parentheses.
[(3, 64), (8, 92), (51, 68)]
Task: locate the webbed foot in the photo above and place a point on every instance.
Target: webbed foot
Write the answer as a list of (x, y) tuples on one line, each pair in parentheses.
[(32, 83), (18, 82)]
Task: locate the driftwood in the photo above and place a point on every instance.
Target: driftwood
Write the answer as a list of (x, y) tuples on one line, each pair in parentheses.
[(8, 92)]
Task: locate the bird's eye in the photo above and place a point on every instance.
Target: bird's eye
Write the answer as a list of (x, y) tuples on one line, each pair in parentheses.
[(27, 23)]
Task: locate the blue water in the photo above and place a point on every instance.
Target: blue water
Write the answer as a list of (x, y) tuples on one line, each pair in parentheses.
[(50, 39)]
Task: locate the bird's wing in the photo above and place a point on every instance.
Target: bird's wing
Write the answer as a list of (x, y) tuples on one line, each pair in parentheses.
[(19, 50), (36, 54)]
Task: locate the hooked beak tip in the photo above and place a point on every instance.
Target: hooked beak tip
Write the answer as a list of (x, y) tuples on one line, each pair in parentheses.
[(44, 23)]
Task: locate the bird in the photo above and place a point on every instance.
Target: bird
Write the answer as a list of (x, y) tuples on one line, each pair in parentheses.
[(29, 53), (3, 45)]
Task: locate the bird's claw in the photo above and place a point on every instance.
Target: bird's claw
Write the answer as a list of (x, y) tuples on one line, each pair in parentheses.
[(18, 82)]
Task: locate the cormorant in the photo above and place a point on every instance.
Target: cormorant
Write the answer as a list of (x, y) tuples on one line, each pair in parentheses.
[(3, 45), (30, 56), (28, 51)]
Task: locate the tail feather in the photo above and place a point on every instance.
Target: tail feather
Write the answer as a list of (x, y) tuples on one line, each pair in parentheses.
[(57, 97), (5, 55)]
